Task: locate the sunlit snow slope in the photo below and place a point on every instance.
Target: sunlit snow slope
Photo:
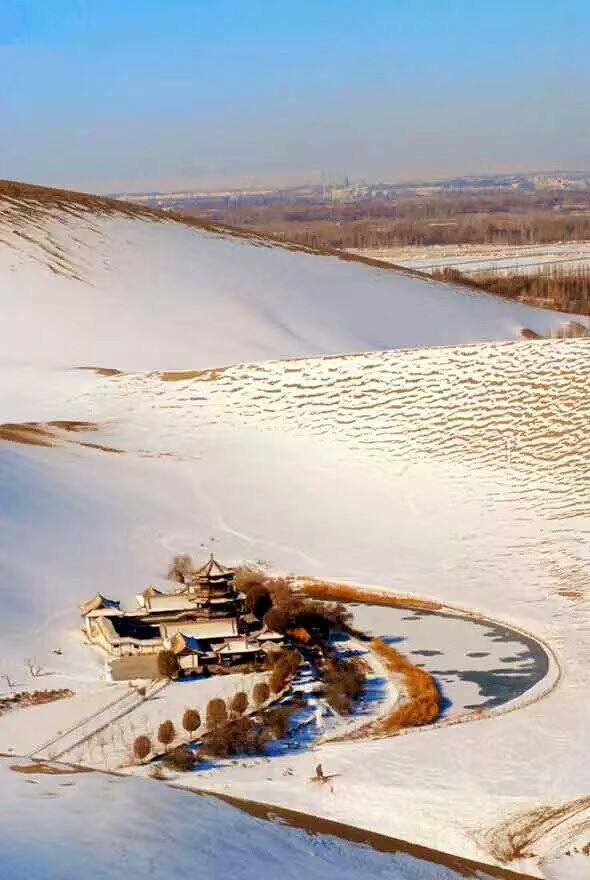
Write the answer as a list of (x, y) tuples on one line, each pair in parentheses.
[(459, 473), (60, 828), (91, 282)]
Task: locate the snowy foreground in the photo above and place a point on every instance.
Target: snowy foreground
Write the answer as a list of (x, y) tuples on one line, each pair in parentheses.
[(456, 473), (108, 828)]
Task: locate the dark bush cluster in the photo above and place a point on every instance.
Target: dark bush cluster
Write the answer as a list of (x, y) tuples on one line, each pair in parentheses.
[(260, 693), (167, 664), (181, 758), (258, 601), (245, 735), (344, 682), (284, 610), (182, 568), (276, 721), (305, 620), (240, 736)]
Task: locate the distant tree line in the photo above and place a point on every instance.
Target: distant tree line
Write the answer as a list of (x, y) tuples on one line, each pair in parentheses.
[(552, 288), (500, 218)]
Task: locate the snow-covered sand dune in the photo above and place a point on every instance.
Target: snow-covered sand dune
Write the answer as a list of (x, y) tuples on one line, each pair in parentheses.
[(454, 473), (86, 282), (459, 473), (60, 827)]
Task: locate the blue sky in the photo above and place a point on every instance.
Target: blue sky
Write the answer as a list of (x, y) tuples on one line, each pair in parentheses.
[(137, 94)]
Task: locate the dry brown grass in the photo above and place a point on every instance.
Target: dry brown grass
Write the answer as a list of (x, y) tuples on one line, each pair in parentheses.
[(516, 837), (23, 699), (423, 705), (332, 591)]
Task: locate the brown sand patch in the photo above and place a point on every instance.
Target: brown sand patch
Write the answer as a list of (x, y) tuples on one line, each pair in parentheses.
[(104, 371), (52, 434), (573, 594), (42, 767), (102, 448), (185, 375), (314, 825), (31, 434), (68, 425)]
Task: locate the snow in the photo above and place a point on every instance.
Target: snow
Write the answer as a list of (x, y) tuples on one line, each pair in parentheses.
[(135, 294), (475, 259), (477, 663), (456, 473), (110, 828)]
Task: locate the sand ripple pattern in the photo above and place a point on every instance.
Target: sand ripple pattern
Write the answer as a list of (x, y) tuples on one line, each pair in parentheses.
[(503, 427), (518, 405)]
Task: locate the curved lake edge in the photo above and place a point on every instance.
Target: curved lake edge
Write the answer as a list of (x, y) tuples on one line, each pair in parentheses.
[(374, 596)]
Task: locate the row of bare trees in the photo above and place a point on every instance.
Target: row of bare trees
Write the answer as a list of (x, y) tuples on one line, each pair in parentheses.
[(227, 728), (552, 288), (502, 217)]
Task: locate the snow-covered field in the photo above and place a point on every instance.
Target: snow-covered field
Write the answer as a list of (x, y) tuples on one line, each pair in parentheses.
[(457, 473), (475, 259), (91, 825)]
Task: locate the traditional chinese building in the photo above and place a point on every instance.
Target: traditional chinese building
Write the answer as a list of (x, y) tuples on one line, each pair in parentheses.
[(203, 623)]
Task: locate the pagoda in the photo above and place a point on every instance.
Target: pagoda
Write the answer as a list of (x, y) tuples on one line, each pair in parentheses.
[(212, 592)]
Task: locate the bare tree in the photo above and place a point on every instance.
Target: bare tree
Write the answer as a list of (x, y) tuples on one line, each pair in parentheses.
[(260, 693), (239, 703), (191, 721), (34, 669), (216, 712), (167, 664), (142, 747), (166, 733), (182, 568)]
